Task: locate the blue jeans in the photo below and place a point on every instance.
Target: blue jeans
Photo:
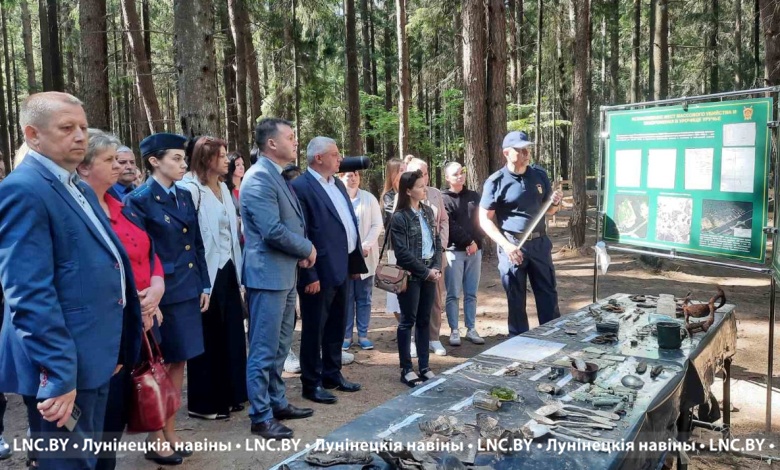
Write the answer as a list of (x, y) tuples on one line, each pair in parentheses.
[(462, 275), (272, 315), (359, 306)]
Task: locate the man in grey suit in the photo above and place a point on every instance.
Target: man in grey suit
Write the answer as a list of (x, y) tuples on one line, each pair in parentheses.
[(275, 245)]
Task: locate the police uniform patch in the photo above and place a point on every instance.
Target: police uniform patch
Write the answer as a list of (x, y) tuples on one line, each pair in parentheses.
[(539, 188), (167, 219)]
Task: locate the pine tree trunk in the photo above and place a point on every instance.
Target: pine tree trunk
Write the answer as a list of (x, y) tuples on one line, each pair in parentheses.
[(9, 94), (52, 11), (563, 96), (94, 66), (661, 50), (235, 10), (581, 94), (635, 67), (496, 83), (229, 79), (195, 61), (352, 82), (538, 112), (253, 78), (43, 20), (404, 85), (474, 99), (296, 74), (29, 59), (520, 22), (651, 52), (511, 6), (387, 52), (770, 19), (757, 81), (15, 129), (738, 44), (5, 141), (145, 84), (147, 29)]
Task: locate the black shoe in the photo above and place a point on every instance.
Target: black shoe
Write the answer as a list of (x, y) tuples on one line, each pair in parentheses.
[(319, 395), (173, 459), (237, 408), (181, 449), (342, 385), (272, 429), (293, 412), (410, 378)]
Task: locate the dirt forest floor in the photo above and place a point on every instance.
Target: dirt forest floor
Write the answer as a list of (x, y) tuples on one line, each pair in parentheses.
[(377, 370)]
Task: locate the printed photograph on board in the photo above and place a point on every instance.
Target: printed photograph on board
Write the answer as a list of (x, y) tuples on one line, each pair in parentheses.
[(673, 219), (729, 218), (631, 215)]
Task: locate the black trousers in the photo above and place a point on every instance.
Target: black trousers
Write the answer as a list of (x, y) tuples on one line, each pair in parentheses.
[(216, 379), (323, 317), (416, 304)]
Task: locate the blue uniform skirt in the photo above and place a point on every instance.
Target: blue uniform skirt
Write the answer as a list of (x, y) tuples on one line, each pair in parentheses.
[(181, 331)]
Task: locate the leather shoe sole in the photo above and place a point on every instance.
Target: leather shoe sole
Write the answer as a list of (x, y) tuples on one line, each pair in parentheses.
[(295, 413), (320, 398), (342, 387)]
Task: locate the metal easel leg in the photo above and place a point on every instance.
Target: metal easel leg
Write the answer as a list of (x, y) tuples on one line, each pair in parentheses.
[(770, 355)]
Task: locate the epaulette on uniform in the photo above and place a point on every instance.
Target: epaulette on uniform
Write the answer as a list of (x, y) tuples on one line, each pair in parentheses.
[(139, 191)]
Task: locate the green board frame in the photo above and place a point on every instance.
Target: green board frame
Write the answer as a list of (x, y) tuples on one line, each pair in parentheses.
[(679, 178)]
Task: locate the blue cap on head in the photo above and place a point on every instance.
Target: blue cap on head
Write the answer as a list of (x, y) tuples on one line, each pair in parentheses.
[(516, 140), (162, 141)]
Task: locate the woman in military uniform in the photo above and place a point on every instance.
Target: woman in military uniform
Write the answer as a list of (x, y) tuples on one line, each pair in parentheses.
[(172, 222)]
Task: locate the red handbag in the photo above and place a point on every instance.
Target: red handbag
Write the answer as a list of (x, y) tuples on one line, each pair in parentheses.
[(154, 398)]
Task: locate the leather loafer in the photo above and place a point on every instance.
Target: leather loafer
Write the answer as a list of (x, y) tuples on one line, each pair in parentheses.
[(319, 395), (272, 429), (173, 459), (342, 385), (293, 412)]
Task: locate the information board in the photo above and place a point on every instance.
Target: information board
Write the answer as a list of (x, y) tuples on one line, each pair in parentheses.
[(693, 178)]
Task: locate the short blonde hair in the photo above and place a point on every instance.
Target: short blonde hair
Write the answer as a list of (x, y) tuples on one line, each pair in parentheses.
[(37, 108)]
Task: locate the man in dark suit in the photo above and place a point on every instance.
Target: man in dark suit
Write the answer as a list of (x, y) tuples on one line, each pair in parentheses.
[(68, 286), (332, 227), (275, 245)]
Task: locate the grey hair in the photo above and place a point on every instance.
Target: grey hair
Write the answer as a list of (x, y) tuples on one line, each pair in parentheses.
[(37, 108), (124, 149), (318, 146), (449, 166), (99, 141)]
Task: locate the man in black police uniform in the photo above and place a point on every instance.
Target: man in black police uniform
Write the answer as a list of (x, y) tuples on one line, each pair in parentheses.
[(511, 198)]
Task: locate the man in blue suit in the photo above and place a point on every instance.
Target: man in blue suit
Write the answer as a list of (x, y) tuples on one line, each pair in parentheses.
[(275, 245), (323, 289), (68, 286)]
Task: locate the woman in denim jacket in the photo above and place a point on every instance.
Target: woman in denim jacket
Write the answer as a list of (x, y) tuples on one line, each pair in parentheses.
[(418, 250)]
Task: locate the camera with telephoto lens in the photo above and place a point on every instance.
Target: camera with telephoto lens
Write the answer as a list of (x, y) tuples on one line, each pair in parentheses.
[(349, 164)]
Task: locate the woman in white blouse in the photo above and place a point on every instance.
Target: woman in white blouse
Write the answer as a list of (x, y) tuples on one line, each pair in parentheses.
[(217, 378), (369, 218)]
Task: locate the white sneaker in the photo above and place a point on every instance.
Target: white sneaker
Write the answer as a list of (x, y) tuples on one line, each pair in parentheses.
[(292, 364), (437, 348), (347, 358), (413, 349), (5, 449), (455, 338), (474, 337)]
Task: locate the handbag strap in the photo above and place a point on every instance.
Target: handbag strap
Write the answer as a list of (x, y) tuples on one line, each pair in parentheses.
[(152, 353)]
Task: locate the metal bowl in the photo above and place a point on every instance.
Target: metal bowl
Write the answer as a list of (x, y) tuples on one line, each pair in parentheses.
[(586, 376)]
